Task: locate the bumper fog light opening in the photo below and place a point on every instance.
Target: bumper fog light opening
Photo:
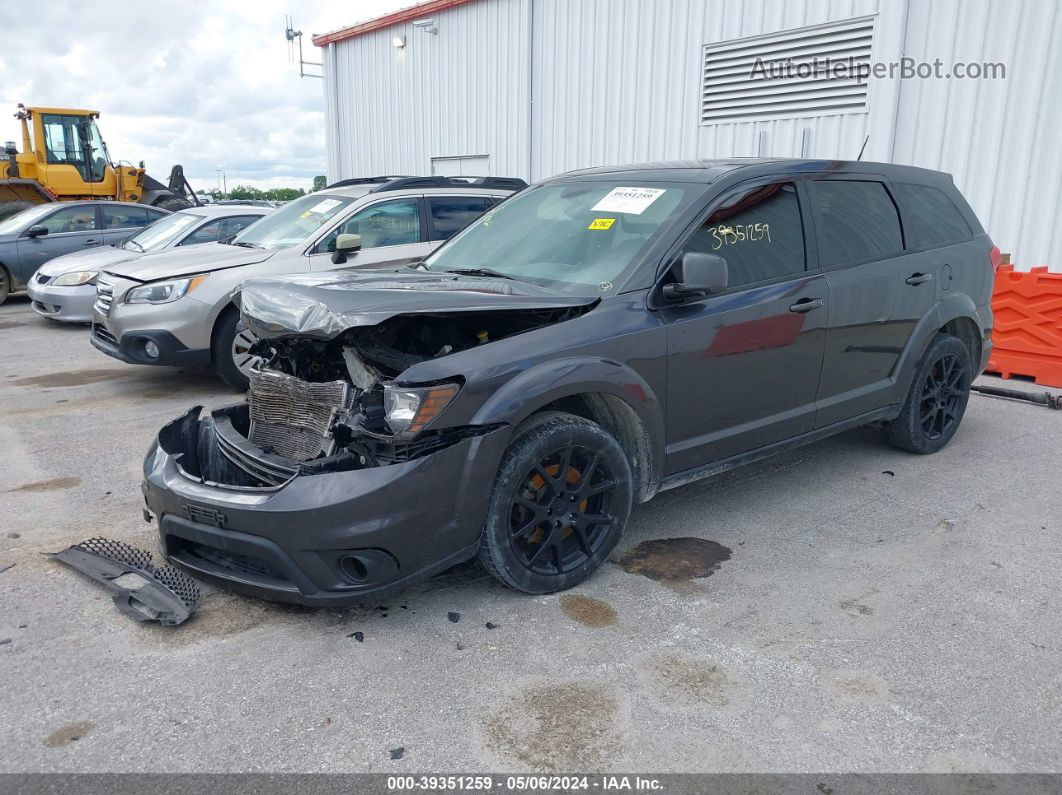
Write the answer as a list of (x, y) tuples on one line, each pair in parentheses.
[(151, 350)]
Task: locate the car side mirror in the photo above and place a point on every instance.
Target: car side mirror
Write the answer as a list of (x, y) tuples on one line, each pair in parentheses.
[(37, 230), (697, 274), (345, 244)]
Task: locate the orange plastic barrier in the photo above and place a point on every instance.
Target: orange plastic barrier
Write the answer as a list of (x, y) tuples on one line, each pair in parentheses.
[(1027, 334)]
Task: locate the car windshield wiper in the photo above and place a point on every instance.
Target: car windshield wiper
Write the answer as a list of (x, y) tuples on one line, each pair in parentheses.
[(245, 245), (482, 272), (139, 247)]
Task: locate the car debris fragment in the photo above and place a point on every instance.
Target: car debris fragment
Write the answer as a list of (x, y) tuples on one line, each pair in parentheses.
[(454, 617), (140, 589)]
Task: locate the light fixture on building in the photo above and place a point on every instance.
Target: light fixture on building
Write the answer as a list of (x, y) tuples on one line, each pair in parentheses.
[(427, 25), (399, 42)]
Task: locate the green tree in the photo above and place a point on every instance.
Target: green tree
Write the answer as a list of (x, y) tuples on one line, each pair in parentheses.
[(319, 183)]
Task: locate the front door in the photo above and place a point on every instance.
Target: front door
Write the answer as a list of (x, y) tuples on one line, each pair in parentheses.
[(393, 234), (72, 227), (743, 366)]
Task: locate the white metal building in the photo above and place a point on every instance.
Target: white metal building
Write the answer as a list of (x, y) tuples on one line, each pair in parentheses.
[(534, 87)]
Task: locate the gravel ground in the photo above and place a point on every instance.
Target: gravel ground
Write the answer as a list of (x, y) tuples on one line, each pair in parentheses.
[(866, 610)]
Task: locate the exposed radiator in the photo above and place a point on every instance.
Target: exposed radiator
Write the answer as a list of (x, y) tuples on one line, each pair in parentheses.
[(292, 417)]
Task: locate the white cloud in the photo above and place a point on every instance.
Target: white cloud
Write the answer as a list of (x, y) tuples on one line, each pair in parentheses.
[(207, 85)]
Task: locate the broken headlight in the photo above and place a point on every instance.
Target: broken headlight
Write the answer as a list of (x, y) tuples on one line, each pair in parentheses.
[(164, 292), (75, 278), (409, 409)]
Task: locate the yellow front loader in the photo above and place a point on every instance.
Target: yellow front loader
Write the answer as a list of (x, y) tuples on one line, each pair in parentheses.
[(65, 159)]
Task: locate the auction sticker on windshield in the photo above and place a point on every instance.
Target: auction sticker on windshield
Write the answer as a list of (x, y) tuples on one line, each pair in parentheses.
[(324, 206), (632, 201)]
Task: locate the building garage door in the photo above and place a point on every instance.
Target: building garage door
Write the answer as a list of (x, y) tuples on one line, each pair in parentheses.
[(464, 166)]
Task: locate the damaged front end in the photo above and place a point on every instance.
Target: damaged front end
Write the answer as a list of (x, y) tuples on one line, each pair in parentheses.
[(337, 404)]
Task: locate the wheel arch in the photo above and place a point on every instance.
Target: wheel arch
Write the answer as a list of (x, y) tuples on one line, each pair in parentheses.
[(606, 392), (215, 324)]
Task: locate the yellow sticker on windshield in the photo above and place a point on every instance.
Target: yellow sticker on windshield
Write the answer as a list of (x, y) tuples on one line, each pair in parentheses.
[(602, 223)]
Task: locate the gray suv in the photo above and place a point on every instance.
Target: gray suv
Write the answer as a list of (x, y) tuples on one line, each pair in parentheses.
[(177, 308), (41, 233), (598, 338)]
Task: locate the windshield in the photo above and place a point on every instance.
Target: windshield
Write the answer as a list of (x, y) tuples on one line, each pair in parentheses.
[(575, 237), (160, 234), (293, 223), (24, 219)]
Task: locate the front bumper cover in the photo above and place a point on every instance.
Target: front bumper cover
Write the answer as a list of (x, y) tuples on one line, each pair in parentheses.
[(327, 538)]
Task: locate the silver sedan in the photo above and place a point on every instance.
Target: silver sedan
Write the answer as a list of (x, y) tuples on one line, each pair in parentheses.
[(64, 288)]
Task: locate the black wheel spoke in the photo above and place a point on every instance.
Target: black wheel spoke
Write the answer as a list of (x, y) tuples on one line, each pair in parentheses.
[(562, 512)]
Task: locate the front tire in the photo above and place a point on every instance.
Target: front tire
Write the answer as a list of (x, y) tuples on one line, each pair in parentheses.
[(560, 502), (231, 355), (5, 284), (936, 401)]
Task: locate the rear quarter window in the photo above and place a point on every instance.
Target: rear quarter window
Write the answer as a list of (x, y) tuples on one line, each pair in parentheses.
[(855, 221), (930, 218)]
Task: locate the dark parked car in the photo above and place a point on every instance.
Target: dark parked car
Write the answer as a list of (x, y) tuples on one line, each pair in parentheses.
[(590, 342), (46, 231)]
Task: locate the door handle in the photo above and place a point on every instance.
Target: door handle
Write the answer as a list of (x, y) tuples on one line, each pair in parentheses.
[(90, 242), (919, 278), (806, 305)]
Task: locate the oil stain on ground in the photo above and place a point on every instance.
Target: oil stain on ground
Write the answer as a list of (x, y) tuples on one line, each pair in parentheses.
[(55, 484), (588, 611), (70, 378), (859, 687), (686, 682), (675, 562), (70, 733), (557, 727)]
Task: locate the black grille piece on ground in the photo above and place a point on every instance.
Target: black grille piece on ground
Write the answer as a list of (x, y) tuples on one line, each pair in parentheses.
[(149, 593)]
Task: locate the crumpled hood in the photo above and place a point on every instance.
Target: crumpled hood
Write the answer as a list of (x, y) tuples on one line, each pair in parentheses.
[(186, 260), (325, 305), (91, 259)]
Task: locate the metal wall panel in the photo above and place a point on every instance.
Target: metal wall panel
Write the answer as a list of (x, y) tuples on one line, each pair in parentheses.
[(999, 139), (619, 81), (462, 91)]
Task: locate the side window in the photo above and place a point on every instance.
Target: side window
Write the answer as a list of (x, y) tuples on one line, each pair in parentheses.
[(204, 234), (227, 227), (118, 217), (452, 213), (930, 218), (856, 221), (757, 231), (62, 144), (391, 223), (71, 219)]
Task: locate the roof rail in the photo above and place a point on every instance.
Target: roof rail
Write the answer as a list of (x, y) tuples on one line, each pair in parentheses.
[(406, 183), (365, 180)]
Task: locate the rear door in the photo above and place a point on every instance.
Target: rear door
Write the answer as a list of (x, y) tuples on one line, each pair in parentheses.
[(743, 365), (72, 227), (878, 294), (393, 233)]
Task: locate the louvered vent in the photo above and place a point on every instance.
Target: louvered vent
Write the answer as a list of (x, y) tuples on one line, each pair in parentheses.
[(796, 76)]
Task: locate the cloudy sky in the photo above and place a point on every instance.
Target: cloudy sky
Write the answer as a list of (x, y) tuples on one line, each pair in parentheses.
[(205, 84)]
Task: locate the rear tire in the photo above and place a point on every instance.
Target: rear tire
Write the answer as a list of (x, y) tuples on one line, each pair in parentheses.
[(231, 360), (5, 284), (936, 401), (560, 502)]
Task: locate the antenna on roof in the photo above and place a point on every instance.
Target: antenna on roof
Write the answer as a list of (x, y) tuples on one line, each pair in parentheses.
[(863, 148), (291, 35)]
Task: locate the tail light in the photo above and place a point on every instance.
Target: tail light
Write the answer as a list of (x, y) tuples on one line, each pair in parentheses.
[(994, 257)]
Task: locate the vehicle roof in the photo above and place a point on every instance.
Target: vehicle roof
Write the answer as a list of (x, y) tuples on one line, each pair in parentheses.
[(226, 210), (709, 170), (358, 191)]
